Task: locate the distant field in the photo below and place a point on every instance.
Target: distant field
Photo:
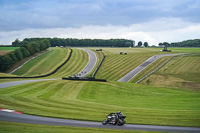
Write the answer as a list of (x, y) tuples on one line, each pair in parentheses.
[(4, 50), (94, 100), (181, 72), (116, 66)]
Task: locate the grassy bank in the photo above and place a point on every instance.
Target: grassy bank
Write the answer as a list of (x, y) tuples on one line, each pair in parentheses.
[(181, 72), (116, 66), (93, 101), (43, 63), (77, 62)]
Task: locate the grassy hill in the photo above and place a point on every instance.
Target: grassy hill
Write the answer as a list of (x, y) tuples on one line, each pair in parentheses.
[(49, 61), (159, 100), (77, 62), (43, 63), (116, 66), (94, 100), (181, 72)]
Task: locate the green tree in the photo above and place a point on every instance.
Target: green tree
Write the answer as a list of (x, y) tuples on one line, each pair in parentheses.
[(3, 63), (16, 43), (18, 54), (13, 57), (42, 45), (160, 44), (166, 44), (47, 43), (128, 44), (25, 52), (146, 44), (29, 47), (139, 44)]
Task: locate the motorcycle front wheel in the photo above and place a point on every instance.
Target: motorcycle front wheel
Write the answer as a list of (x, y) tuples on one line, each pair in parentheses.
[(104, 122), (121, 122)]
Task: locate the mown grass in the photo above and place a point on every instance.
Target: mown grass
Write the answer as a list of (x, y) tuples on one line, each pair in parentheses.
[(44, 63), (10, 127), (94, 100), (149, 69), (6, 75), (181, 72), (77, 62), (115, 66)]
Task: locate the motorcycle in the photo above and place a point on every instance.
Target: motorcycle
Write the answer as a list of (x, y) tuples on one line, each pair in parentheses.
[(115, 119)]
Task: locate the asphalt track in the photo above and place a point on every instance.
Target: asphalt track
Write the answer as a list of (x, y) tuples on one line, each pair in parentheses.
[(91, 63), (138, 69), (8, 84), (22, 118)]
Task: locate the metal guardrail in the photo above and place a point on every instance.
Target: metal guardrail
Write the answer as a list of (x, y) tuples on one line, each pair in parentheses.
[(143, 78)]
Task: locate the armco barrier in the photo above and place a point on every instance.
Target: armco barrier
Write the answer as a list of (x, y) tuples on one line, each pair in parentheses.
[(41, 76), (84, 79), (98, 66), (143, 78)]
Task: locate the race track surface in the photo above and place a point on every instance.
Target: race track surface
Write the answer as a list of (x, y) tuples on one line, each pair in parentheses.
[(8, 84), (138, 69), (22, 118), (92, 62)]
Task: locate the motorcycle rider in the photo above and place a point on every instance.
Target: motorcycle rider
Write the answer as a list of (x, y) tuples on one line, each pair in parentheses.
[(119, 113), (115, 116)]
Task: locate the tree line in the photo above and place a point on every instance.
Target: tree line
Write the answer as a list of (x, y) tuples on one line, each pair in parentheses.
[(187, 43), (25, 50), (140, 44), (73, 42)]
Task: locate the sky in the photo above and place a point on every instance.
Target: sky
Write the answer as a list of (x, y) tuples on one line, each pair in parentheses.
[(151, 21)]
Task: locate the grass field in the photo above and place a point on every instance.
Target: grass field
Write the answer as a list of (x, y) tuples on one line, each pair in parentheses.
[(159, 100), (4, 50), (116, 66), (149, 69), (44, 63), (77, 62), (94, 100), (10, 127), (181, 72)]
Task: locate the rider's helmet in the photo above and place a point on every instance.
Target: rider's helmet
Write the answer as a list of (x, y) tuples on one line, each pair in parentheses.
[(119, 112)]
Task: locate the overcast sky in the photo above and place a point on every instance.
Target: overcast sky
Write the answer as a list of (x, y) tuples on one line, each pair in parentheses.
[(153, 21)]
